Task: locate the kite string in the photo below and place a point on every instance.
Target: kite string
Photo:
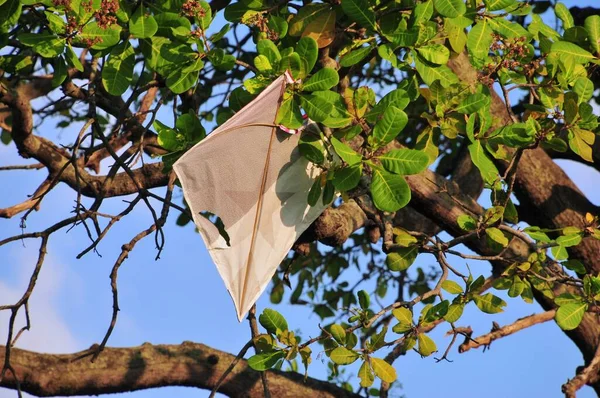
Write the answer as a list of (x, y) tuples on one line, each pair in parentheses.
[(254, 332)]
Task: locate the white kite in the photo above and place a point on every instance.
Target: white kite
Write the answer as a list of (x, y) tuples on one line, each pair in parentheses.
[(250, 173)]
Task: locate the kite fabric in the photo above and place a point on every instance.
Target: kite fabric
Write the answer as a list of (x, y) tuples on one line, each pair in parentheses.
[(250, 173)]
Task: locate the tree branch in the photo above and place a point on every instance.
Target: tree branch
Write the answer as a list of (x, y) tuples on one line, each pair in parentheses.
[(507, 330), (589, 374), (150, 366)]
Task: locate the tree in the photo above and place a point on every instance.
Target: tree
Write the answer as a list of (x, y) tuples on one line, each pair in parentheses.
[(427, 104)]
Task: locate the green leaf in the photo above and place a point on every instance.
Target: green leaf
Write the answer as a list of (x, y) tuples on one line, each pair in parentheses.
[(495, 5), (562, 12), (456, 35), (221, 60), (517, 287), (363, 299), (398, 98), (339, 116), (435, 53), (6, 138), (72, 58), (183, 79), (404, 161), (510, 30), (347, 154), (366, 375), (308, 50), (452, 287), (10, 11), (347, 178), (190, 126), (472, 103), (269, 49), (101, 37), (569, 240), (454, 313), (343, 356), (167, 21), (570, 315), (431, 74), (390, 192), (388, 127), (294, 65), (559, 252), (403, 238), (338, 333), (220, 34), (579, 146), (466, 222), (386, 51), (205, 19), (403, 315), (426, 345), (272, 321), (311, 146), (55, 22), (575, 265), (497, 236), (117, 73), (568, 298), (328, 193), (262, 64), (355, 56), (305, 16), (384, 370), (489, 303), (278, 25), (359, 11), (378, 340), (315, 192), (168, 137), (45, 44), (404, 38), (570, 51), (584, 88), (289, 114), (401, 259), (142, 25), (486, 167), (324, 79), (266, 360), (423, 12), (60, 71), (480, 39), (316, 107), (450, 8), (592, 26)]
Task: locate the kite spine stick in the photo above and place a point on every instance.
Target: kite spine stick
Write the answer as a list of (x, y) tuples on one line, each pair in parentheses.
[(260, 196)]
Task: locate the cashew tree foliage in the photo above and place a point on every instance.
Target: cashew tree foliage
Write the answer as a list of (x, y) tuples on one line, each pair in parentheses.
[(432, 108)]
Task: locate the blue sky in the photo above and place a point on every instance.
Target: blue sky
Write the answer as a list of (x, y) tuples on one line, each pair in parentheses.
[(181, 297)]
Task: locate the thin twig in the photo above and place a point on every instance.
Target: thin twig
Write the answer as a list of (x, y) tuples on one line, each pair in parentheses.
[(254, 331)]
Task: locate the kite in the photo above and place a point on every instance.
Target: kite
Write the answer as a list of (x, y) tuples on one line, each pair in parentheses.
[(250, 173)]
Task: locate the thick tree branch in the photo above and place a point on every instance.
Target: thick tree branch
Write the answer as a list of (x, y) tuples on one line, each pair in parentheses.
[(151, 366)]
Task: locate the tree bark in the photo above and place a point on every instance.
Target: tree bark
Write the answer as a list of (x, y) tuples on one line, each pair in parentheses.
[(150, 366)]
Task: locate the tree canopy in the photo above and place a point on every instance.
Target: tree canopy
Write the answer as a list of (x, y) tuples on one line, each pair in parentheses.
[(445, 118)]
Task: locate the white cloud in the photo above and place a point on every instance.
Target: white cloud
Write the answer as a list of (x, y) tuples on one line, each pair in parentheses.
[(49, 332)]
